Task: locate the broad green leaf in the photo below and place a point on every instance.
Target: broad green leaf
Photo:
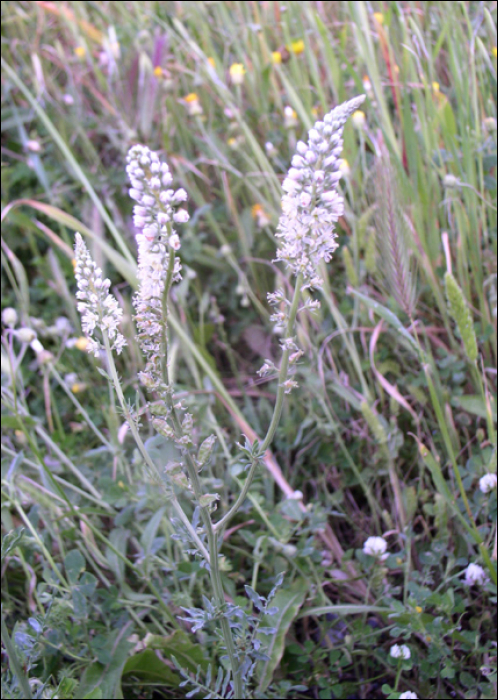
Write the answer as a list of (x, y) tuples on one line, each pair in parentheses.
[(473, 403), (106, 678), (74, 563), (149, 667), (180, 646), (288, 603)]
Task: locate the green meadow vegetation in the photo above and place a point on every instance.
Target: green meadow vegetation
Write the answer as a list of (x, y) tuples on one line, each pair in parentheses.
[(330, 536)]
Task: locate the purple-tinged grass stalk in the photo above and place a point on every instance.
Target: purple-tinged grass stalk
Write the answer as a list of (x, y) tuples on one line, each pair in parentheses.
[(392, 235)]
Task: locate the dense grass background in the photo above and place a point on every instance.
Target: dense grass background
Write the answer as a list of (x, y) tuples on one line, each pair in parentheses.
[(393, 423)]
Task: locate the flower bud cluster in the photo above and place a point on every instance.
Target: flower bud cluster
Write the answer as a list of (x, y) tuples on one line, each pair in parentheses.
[(311, 205), (97, 307), (153, 215)]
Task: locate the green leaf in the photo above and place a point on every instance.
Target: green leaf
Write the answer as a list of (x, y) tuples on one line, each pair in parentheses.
[(179, 646), (388, 316), (74, 563), (150, 531), (119, 539), (288, 603), (106, 678), (149, 667), (15, 422), (473, 403)]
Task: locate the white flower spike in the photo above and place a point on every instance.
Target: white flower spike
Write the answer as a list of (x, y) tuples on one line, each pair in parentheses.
[(312, 205), (154, 216), (97, 307)]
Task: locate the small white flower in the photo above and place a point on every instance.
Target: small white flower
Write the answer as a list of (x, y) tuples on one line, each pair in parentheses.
[(270, 149), (375, 546), (36, 346), (400, 651), (33, 145), (25, 335), (487, 482), (9, 317), (475, 574), (408, 694)]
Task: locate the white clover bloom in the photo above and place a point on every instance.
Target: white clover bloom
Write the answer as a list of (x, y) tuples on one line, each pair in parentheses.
[(408, 694), (475, 574), (311, 205), (97, 307), (400, 651), (487, 482), (375, 546), (154, 216)]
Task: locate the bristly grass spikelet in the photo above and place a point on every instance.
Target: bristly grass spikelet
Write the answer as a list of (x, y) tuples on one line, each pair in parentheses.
[(460, 313), (392, 234)]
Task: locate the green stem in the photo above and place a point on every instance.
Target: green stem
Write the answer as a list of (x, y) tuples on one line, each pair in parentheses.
[(136, 435), (277, 411), (212, 553)]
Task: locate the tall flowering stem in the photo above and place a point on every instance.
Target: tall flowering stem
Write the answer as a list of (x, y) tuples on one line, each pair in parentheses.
[(311, 206), (158, 268)]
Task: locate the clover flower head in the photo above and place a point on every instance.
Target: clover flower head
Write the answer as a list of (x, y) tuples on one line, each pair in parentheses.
[(375, 547), (312, 205), (488, 482), (408, 695), (400, 651), (475, 574), (97, 307)]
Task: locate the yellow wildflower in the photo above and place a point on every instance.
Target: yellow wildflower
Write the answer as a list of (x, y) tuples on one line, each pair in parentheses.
[(290, 117), (367, 85), (344, 168), (193, 104), (435, 88), (358, 118), (258, 213), (276, 57), (158, 71), (81, 343), (80, 51), (297, 47), (418, 609), (21, 437), (237, 72), (211, 61), (379, 17), (78, 387), (493, 51)]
